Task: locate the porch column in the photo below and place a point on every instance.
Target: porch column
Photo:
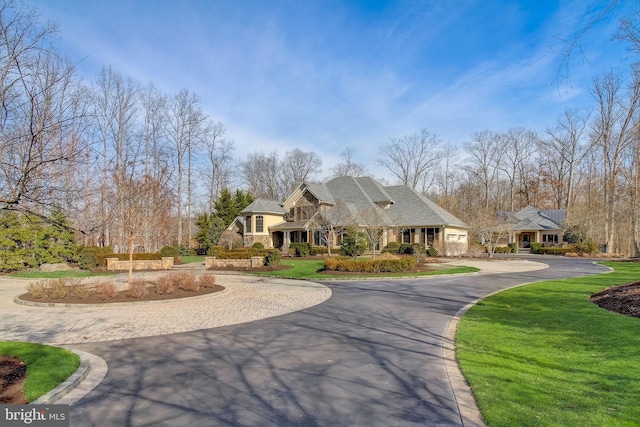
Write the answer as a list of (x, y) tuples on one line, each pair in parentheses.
[(287, 238)]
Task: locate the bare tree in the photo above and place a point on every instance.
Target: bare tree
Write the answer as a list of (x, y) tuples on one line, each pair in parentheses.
[(518, 145), (614, 130), (40, 117), (217, 173), (183, 127), (490, 229), (299, 166), (447, 177), (560, 154), (485, 155), (411, 158), (331, 222), (348, 167), (375, 225), (261, 173)]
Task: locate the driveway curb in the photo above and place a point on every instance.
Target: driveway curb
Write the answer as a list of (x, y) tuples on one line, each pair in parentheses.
[(70, 383)]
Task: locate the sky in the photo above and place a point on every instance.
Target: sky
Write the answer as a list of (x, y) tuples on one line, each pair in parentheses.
[(323, 75)]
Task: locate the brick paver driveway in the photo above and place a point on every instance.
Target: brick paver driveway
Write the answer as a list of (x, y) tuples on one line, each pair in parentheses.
[(371, 355)]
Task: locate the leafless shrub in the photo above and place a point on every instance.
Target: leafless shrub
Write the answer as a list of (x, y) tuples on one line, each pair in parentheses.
[(81, 291), (164, 285), (475, 250), (37, 289), (186, 281), (106, 291), (207, 281), (137, 289), (58, 288), (455, 248)]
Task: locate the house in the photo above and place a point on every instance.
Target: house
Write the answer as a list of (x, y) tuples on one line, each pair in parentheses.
[(535, 226), (316, 213)]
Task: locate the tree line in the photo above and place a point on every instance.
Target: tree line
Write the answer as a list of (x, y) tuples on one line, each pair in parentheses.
[(127, 164)]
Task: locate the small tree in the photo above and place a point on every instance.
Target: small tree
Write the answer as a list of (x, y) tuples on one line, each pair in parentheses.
[(331, 222), (354, 243), (490, 230), (229, 239), (376, 225)]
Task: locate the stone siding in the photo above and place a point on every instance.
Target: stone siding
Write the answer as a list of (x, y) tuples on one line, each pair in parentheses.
[(253, 262), (113, 264)]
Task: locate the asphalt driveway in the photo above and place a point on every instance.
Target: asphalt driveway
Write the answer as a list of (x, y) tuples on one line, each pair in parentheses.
[(369, 356)]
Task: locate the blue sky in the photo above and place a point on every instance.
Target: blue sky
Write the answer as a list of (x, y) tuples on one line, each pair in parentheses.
[(322, 75)]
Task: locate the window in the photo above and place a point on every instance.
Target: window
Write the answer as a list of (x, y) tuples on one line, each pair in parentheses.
[(247, 223), (259, 224), (318, 238), (406, 235), (550, 239)]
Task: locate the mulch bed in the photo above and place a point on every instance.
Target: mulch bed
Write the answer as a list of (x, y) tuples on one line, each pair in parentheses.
[(13, 372), (123, 297), (620, 299)]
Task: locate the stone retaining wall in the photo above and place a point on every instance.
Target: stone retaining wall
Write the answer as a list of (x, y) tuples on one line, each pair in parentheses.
[(113, 264), (253, 262)]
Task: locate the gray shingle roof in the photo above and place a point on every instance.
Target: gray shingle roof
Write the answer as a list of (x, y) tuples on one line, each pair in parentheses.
[(321, 192), (264, 206), (530, 218), (413, 209)]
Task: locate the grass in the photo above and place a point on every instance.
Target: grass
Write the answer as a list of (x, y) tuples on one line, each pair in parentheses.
[(192, 258), (308, 269), (47, 366), (56, 274), (544, 355)]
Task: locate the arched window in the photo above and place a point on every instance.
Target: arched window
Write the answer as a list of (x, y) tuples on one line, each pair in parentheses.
[(247, 223), (259, 224)]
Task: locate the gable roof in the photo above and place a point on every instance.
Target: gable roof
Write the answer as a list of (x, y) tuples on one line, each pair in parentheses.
[(264, 206), (413, 208), (530, 218)]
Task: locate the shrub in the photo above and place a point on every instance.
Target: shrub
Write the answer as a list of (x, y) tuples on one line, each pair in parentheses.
[(587, 247), (535, 247), (392, 247), (90, 257), (554, 251), (354, 243), (81, 291), (37, 289), (184, 250), (106, 291), (501, 250), (137, 289), (319, 250), (164, 285), (302, 249), (475, 249), (215, 251), (273, 258), (57, 288), (168, 251), (186, 282), (207, 281), (398, 265), (257, 245), (432, 251), (514, 247), (406, 249)]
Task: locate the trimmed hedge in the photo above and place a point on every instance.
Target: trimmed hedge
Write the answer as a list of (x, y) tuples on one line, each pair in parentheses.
[(555, 251), (242, 253), (400, 265), (273, 257), (302, 249)]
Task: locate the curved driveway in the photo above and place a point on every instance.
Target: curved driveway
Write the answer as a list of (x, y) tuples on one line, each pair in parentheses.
[(369, 356)]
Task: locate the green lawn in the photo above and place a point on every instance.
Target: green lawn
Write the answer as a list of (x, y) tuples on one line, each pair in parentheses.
[(56, 274), (544, 355), (47, 366), (308, 269), (192, 258)]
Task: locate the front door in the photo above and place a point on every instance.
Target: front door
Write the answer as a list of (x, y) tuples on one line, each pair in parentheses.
[(526, 240)]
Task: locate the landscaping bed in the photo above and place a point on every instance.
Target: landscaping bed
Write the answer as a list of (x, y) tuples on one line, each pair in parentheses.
[(620, 299)]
